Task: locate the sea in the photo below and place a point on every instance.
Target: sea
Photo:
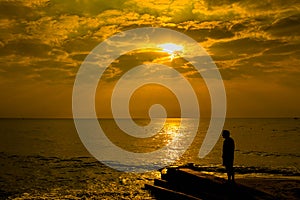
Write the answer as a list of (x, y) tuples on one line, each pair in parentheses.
[(46, 159)]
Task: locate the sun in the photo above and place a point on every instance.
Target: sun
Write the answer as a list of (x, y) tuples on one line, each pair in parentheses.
[(172, 49)]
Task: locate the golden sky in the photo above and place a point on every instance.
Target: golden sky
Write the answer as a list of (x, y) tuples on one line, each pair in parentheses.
[(255, 44)]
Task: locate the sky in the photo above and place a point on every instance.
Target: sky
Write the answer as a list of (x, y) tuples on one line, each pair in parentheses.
[(255, 45)]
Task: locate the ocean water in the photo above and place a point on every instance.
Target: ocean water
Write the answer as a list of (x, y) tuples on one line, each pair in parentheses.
[(45, 159)]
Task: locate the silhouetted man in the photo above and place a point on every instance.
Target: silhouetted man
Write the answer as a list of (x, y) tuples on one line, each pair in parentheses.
[(228, 154)]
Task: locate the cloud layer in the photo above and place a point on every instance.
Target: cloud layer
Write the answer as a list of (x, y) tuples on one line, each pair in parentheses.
[(47, 40)]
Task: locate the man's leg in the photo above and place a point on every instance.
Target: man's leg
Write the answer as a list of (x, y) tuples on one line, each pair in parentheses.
[(227, 167), (231, 174)]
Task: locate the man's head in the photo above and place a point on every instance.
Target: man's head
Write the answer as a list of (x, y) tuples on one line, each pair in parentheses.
[(225, 134)]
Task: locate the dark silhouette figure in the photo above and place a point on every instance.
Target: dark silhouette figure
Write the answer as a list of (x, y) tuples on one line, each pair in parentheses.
[(228, 154)]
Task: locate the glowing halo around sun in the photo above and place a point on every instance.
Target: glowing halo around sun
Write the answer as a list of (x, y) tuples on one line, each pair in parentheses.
[(173, 49)]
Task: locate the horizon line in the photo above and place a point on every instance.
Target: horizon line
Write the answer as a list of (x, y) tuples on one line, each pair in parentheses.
[(143, 118)]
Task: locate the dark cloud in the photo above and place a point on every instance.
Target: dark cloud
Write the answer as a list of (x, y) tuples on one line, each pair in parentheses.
[(80, 45), (47, 71), (82, 7), (128, 61), (270, 5), (241, 47), (79, 57), (15, 10), (289, 26), (26, 47), (213, 3), (264, 65), (204, 33), (284, 49)]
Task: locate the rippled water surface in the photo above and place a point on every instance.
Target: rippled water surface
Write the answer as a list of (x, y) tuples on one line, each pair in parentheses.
[(46, 159)]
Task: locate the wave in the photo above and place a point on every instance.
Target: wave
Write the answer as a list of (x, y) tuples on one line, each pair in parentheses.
[(268, 154), (283, 171), (32, 161)]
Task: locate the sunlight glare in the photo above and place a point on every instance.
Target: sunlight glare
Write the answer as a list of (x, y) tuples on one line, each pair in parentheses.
[(172, 49)]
